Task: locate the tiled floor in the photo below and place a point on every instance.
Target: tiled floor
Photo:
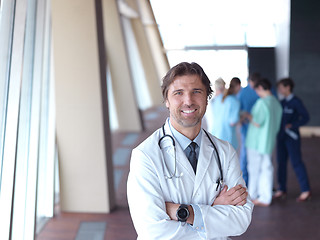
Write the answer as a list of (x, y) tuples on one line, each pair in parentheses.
[(283, 220)]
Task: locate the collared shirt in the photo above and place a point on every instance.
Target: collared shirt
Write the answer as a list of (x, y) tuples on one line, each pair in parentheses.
[(294, 113), (288, 98), (183, 141)]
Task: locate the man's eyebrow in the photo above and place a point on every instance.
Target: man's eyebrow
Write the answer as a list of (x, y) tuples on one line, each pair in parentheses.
[(178, 90), (198, 89)]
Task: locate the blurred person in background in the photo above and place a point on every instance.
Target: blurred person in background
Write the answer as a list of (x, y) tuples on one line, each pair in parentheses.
[(265, 119), (247, 97), (289, 144), (219, 89), (225, 110)]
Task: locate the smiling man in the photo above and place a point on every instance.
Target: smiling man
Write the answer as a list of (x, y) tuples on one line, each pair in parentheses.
[(187, 103), (184, 183)]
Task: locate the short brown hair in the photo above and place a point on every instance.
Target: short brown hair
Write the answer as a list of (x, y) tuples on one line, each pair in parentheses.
[(264, 83), (182, 69), (286, 82)]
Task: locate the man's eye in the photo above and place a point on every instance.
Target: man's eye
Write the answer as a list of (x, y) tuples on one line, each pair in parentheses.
[(196, 91), (177, 93)]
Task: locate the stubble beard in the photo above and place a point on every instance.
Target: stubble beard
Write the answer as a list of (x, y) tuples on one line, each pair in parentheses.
[(186, 123)]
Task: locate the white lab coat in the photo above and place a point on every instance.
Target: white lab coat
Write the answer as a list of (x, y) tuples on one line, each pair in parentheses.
[(148, 189)]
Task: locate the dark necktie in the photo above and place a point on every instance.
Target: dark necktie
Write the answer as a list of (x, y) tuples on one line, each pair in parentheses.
[(192, 156)]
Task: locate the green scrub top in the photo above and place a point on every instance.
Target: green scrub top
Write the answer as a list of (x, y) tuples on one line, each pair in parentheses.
[(267, 113)]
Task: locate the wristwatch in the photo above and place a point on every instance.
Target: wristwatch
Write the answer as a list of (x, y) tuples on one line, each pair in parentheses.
[(182, 213)]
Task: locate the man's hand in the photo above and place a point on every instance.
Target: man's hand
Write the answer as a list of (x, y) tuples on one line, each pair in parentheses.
[(236, 196), (244, 117), (172, 208)]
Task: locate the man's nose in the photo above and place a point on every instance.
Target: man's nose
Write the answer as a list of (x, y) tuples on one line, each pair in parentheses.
[(188, 100)]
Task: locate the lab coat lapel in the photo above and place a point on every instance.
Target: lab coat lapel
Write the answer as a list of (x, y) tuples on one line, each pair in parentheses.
[(205, 156), (184, 163)]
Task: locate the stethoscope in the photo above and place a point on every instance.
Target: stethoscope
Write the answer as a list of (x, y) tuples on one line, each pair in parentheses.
[(171, 176)]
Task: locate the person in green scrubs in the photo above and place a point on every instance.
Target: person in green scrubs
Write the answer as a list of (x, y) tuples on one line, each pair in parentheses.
[(264, 125)]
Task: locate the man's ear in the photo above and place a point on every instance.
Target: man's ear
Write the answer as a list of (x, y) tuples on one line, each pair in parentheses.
[(167, 103)]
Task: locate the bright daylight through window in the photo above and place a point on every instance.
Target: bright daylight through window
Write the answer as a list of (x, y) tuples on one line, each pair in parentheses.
[(214, 33)]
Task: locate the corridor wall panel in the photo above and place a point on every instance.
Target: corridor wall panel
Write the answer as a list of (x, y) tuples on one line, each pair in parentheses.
[(305, 54)]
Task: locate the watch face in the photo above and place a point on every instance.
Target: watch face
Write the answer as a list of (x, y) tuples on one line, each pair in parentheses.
[(183, 213)]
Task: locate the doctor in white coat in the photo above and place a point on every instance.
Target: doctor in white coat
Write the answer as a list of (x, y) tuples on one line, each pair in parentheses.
[(168, 198)]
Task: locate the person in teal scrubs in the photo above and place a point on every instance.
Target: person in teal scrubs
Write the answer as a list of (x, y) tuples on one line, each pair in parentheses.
[(264, 125)]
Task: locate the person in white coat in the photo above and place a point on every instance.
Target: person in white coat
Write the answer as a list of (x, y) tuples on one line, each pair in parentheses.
[(172, 198)]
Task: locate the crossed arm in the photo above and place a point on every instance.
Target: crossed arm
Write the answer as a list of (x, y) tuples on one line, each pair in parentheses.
[(236, 196)]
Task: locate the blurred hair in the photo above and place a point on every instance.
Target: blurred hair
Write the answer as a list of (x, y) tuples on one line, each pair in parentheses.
[(286, 82), (182, 69), (220, 84), (254, 77), (264, 83), (232, 88)]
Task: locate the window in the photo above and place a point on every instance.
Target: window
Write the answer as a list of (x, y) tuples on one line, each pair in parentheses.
[(216, 63), (215, 33), (27, 127)]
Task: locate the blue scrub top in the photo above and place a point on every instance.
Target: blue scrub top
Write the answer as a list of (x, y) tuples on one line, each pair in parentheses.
[(224, 114)]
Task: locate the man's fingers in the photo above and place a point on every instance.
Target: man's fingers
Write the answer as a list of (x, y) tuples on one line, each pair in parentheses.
[(225, 188), (238, 194), (240, 199), (243, 202), (233, 190), (236, 191)]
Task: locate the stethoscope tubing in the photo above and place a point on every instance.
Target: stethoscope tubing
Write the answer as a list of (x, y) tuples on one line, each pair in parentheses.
[(219, 181)]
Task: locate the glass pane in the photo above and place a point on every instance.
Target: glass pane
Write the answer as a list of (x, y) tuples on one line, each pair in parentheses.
[(211, 22), (12, 57), (223, 63), (6, 27), (261, 35), (230, 35), (23, 141)]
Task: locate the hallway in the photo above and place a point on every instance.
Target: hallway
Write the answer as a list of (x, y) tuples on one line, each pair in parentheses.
[(285, 219)]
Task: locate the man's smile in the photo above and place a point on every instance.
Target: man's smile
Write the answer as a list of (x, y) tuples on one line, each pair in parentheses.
[(188, 111)]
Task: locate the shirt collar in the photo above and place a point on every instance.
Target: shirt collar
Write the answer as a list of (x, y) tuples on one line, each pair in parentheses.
[(183, 140), (289, 97)]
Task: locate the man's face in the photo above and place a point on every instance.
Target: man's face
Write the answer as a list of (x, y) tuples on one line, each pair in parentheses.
[(284, 90), (187, 102)]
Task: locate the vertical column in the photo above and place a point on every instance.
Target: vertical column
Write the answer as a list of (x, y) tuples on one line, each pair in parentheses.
[(282, 28), (84, 162), (145, 51), (305, 54), (126, 104), (154, 38)]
